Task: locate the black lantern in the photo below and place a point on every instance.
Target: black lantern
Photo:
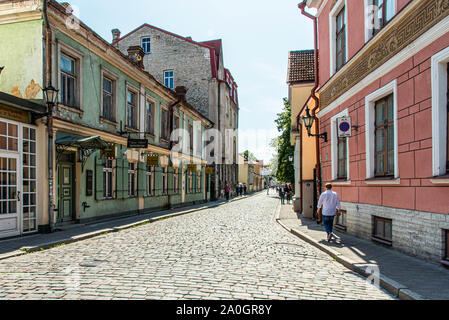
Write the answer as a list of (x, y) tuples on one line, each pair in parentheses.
[(307, 120), (50, 95)]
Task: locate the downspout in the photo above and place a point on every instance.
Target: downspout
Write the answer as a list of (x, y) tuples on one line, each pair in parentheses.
[(302, 6), (171, 125), (221, 142), (48, 82)]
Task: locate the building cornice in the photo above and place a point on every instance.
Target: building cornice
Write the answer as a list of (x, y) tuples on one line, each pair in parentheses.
[(408, 26)]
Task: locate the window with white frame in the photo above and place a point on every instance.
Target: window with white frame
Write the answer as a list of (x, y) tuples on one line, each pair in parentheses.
[(377, 14), (339, 150), (146, 45), (440, 112), (338, 36), (132, 180), (150, 180), (381, 132), (131, 109), (108, 181), (169, 79)]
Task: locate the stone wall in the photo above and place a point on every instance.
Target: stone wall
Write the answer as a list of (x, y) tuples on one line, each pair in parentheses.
[(419, 234)]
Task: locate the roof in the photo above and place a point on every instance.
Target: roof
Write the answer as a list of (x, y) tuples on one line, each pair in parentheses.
[(301, 66), (23, 104)]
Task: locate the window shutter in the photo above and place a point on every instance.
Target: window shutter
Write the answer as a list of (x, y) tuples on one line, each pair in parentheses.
[(141, 179), (99, 188)]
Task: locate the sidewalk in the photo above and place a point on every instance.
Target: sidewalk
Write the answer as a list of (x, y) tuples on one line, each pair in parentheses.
[(72, 233), (406, 277)]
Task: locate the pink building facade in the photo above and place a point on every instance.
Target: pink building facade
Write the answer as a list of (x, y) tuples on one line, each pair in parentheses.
[(385, 66)]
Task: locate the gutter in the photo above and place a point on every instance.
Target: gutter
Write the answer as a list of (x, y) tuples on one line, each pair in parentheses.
[(313, 95)]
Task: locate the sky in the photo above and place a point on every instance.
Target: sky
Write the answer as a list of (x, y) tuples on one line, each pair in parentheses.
[(257, 36)]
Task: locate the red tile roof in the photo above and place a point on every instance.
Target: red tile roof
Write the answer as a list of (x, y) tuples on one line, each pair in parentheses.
[(301, 66)]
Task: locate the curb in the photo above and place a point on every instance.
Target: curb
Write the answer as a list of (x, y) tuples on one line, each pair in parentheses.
[(393, 287), (48, 245)]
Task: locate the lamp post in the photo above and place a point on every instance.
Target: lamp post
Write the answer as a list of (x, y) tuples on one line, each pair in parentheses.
[(51, 99), (308, 120)]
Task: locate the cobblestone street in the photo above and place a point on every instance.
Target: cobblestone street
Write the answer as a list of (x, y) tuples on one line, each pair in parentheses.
[(235, 251)]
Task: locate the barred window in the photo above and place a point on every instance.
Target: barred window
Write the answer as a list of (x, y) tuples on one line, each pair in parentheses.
[(164, 181), (150, 181), (382, 230), (132, 181), (108, 192), (175, 181)]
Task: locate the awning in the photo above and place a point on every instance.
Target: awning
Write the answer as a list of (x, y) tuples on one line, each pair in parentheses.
[(94, 143)]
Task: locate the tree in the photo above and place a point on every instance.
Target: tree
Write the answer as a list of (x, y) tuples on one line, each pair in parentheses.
[(249, 155), (285, 170)]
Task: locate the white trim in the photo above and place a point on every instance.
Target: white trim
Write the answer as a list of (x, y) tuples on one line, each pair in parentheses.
[(412, 49), (369, 125), (332, 36), (382, 181), (439, 111), (334, 146)]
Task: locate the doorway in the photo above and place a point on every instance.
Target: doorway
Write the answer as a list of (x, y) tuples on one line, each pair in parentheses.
[(66, 188), (9, 195)]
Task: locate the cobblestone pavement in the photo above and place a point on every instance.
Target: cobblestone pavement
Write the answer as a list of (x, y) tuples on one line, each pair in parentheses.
[(236, 251)]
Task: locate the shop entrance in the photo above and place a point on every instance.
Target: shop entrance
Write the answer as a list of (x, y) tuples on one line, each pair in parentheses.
[(66, 189), (9, 196)]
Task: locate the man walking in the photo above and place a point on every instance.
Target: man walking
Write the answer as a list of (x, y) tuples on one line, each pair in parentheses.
[(282, 194), (227, 190), (328, 207)]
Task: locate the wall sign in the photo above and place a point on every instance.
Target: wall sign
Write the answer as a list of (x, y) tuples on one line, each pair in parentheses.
[(191, 167), (344, 127), (14, 114), (153, 161), (138, 143)]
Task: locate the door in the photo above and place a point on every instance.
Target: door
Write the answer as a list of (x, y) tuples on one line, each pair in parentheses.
[(66, 196), (9, 195)]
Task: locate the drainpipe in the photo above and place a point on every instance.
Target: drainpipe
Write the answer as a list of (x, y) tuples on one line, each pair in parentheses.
[(302, 6), (48, 78)]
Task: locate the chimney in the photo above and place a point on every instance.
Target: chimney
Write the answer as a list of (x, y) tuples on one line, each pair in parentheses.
[(115, 35), (136, 54), (181, 93)]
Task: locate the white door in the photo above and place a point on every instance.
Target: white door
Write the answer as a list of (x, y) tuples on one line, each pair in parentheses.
[(10, 197)]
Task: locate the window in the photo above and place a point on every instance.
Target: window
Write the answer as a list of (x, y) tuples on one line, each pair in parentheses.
[(446, 251), (175, 127), (384, 137), (175, 181), (382, 12), (198, 182), (447, 121), (146, 45), (150, 180), (131, 110), (108, 102), (132, 183), (382, 230), (9, 135), (164, 124), (340, 40), (107, 180), (199, 141), (68, 81), (190, 182), (164, 181), (149, 117), (342, 159), (169, 79), (341, 221), (191, 137)]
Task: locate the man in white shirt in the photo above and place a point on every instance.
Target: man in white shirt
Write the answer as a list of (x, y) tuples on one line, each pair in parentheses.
[(328, 207)]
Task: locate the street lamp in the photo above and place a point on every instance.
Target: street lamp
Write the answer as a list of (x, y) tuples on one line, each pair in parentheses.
[(1, 69), (50, 95), (51, 99), (308, 120)]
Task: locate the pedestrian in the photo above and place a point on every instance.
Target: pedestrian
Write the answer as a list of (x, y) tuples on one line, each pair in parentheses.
[(227, 190), (328, 207), (244, 189), (237, 187), (282, 194), (289, 194)]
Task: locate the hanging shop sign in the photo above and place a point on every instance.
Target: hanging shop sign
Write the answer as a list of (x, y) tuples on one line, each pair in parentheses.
[(138, 143), (344, 127), (191, 167), (209, 170), (153, 161), (108, 153)]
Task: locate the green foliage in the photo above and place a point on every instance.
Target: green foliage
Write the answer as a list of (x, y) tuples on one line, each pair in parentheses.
[(249, 155), (283, 168)]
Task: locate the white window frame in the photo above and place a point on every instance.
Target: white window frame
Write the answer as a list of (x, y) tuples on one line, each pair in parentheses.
[(332, 31), (367, 4), (105, 73), (64, 49), (334, 146), (439, 63), (168, 78), (141, 43), (370, 101)]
